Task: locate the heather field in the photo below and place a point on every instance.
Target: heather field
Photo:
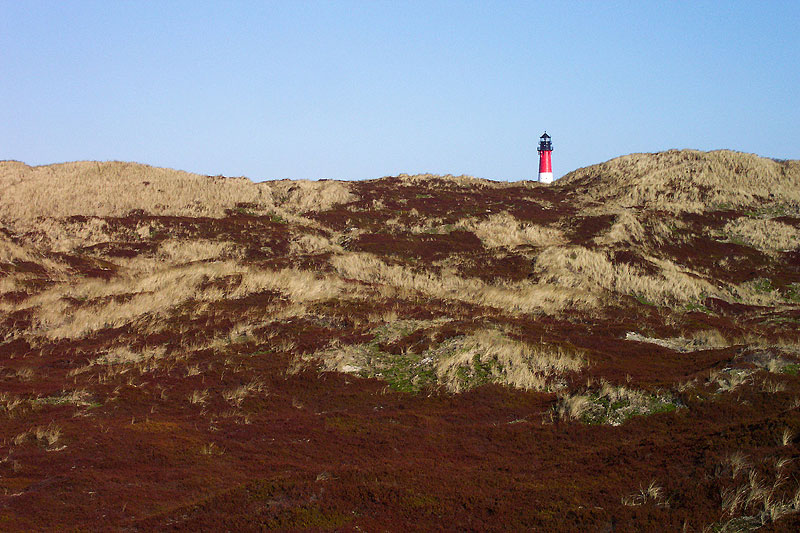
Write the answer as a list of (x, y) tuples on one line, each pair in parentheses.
[(618, 351)]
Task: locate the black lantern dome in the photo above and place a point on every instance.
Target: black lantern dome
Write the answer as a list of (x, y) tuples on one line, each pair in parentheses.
[(545, 145)]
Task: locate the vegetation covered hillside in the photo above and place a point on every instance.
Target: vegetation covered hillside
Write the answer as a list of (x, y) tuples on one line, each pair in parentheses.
[(616, 352)]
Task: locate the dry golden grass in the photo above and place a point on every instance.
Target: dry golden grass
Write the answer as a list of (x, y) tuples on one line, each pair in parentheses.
[(47, 434), (756, 292), (503, 230), (610, 404), (728, 379), (180, 252), (64, 235), (154, 293), (34, 195), (355, 358), (709, 338), (787, 347), (301, 196), (689, 180), (8, 403), (238, 394), (298, 285), (588, 270), (764, 234), (198, 397), (699, 340), (571, 408), (449, 181), (211, 449), (78, 397), (91, 188), (11, 252), (121, 359), (772, 386), (14, 283), (461, 362), (626, 228), (124, 355), (348, 359), (43, 435), (433, 225), (758, 498), (738, 462), (520, 297), (24, 374), (651, 493), (309, 243), (518, 364)]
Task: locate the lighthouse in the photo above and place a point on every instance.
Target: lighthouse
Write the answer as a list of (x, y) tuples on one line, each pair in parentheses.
[(545, 165)]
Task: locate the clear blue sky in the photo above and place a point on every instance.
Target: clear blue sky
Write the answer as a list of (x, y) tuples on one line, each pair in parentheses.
[(353, 90)]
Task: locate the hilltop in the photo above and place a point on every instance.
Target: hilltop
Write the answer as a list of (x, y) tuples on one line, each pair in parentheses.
[(689, 180), (617, 350)]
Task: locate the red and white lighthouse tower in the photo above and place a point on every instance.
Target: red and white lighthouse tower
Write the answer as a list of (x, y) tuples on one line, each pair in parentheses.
[(545, 165)]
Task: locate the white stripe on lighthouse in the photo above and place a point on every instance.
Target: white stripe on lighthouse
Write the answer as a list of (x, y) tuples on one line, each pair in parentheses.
[(546, 177)]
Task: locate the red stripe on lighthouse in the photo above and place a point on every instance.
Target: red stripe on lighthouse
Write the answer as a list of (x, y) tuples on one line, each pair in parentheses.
[(544, 161)]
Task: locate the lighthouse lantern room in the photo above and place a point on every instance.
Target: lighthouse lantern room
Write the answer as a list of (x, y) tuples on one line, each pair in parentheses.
[(545, 164)]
